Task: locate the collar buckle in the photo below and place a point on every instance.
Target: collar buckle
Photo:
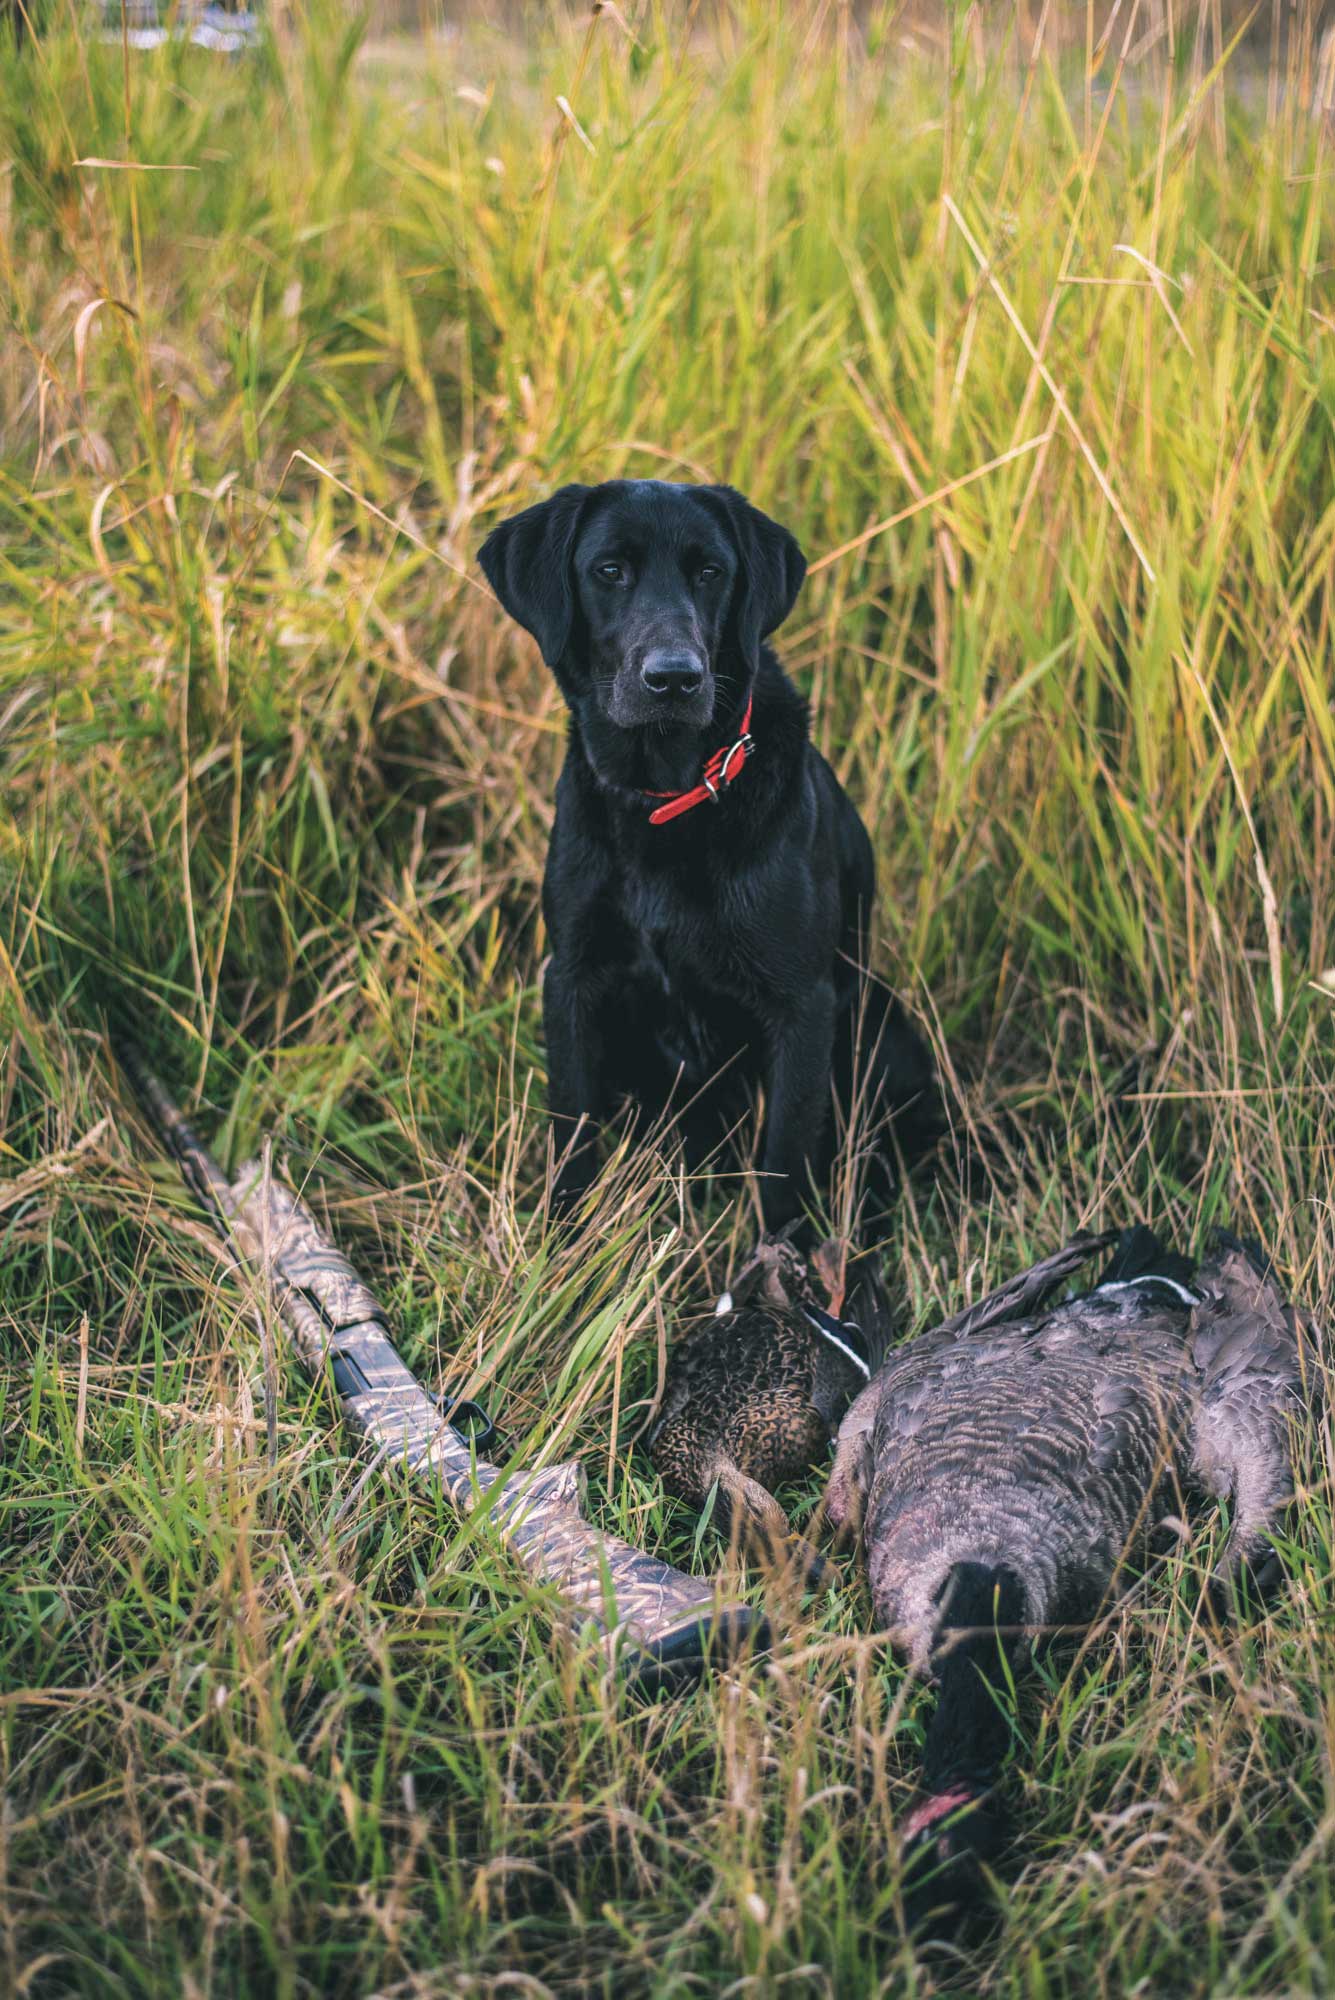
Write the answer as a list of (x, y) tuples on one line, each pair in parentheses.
[(741, 748)]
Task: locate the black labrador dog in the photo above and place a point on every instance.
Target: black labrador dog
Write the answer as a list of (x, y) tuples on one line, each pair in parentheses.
[(708, 883)]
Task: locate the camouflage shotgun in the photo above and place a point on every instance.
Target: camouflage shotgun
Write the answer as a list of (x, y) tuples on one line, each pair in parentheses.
[(657, 1624)]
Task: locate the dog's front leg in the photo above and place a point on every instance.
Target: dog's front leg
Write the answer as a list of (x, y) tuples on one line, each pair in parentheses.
[(797, 1114), (576, 1080)]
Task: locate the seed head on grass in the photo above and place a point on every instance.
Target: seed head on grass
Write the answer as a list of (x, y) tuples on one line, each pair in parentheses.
[(277, 778)]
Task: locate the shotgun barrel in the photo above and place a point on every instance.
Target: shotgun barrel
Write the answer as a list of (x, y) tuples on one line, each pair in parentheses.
[(658, 1625)]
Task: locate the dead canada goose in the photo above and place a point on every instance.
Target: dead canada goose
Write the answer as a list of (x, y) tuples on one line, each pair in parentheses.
[(1005, 1464), (754, 1396)]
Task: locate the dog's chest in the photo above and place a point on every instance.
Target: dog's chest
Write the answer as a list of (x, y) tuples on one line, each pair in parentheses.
[(681, 944), (682, 967)]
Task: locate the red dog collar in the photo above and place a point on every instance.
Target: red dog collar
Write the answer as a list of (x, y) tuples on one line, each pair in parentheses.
[(721, 770)]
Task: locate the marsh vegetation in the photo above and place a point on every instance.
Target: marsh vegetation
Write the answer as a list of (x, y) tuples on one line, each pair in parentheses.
[(1039, 365)]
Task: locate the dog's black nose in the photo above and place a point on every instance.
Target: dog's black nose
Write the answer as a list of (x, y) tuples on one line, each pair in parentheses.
[(665, 672)]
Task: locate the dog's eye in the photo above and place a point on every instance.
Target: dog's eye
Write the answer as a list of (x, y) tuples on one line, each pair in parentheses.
[(708, 573), (609, 572)]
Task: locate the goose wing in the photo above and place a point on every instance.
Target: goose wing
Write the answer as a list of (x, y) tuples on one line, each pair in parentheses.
[(1257, 1363), (1026, 1292)]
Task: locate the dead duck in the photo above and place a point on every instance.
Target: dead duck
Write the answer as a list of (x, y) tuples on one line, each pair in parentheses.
[(754, 1396), (1007, 1463)]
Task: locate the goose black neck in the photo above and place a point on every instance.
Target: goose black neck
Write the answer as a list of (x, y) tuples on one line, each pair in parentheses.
[(982, 1616)]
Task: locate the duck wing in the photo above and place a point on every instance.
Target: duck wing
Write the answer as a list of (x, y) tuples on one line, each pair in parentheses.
[(1257, 1360)]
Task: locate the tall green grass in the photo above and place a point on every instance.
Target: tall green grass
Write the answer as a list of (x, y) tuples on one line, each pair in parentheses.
[(277, 783)]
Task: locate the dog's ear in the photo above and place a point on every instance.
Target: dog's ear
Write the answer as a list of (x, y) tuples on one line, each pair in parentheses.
[(526, 560), (772, 569)]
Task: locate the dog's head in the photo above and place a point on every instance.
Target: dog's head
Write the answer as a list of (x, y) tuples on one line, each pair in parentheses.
[(649, 601)]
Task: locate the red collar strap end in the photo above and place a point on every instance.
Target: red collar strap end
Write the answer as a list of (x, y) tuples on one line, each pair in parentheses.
[(722, 768)]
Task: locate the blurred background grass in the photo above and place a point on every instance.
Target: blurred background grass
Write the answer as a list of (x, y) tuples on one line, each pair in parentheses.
[(1050, 287)]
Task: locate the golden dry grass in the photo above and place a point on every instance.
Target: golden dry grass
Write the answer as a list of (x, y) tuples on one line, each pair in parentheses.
[(278, 781)]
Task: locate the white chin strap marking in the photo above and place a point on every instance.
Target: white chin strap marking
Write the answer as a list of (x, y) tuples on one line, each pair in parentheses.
[(1188, 1297), (818, 1326), (723, 1305)]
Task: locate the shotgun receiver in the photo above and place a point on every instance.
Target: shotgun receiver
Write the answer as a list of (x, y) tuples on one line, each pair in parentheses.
[(657, 1624)]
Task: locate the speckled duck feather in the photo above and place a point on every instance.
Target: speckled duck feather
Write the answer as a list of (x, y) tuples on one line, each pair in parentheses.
[(755, 1393)]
